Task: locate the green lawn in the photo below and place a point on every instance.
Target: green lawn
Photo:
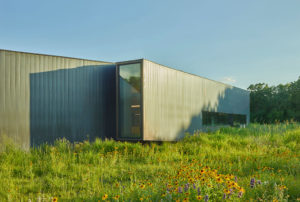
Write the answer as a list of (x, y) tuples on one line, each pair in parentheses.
[(204, 166)]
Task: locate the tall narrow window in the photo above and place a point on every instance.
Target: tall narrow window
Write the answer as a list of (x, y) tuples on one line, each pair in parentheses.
[(129, 101)]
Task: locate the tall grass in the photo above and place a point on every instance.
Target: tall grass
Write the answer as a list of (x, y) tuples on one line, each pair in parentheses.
[(112, 170)]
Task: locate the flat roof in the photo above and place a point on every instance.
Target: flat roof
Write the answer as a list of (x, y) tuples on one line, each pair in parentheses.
[(125, 62), (55, 56), (140, 60)]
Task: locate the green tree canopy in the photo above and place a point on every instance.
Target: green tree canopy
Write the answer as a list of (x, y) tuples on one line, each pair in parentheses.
[(269, 104)]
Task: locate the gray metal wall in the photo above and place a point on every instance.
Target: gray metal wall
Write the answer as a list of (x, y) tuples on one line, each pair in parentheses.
[(47, 97), (174, 101)]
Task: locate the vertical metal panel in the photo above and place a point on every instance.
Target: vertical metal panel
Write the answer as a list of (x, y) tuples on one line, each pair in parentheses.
[(174, 101), (46, 97)]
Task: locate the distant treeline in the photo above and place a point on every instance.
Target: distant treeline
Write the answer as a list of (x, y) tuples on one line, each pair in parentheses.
[(270, 104)]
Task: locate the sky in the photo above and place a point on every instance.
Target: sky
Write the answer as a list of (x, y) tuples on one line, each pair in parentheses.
[(233, 41)]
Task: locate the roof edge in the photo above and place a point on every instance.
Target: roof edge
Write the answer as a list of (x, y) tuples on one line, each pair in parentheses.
[(195, 75), (55, 56)]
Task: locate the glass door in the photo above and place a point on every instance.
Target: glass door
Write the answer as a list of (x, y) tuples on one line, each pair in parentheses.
[(129, 101)]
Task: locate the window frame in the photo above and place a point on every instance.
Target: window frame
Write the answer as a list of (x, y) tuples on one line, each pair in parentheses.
[(118, 137), (228, 116)]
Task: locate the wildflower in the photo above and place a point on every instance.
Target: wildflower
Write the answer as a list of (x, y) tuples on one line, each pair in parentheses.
[(258, 182), (252, 182), (235, 179), (241, 189), (179, 189), (206, 198), (224, 196), (194, 186), (163, 195), (117, 197), (142, 186), (282, 187), (226, 191), (186, 186), (141, 199), (199, 191), (202, 171), (54, 199), (185, 199), (199, 197), (104, 197), (117, 185), (240, 194), (219, 180)]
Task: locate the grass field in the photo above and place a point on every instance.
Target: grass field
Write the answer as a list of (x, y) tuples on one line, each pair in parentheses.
[(257, 163)]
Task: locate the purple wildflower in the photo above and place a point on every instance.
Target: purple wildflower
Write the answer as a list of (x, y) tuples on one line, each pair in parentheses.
[(252, 182), (199, 191), (224, 196), (240, 194), (258, 182), (194, 186), (179, 189), (206, 198), (186, 187)]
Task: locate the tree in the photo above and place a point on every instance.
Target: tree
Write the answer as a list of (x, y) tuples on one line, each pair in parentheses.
[(269, 104)]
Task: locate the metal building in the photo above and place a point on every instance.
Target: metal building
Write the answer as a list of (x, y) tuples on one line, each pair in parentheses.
[(157, 103), (44, 97)]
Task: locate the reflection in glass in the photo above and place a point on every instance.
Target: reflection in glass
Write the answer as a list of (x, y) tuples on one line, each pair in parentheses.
[(218, 118), (130, 101)]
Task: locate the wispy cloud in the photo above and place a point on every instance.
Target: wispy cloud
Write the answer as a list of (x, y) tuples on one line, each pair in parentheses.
[(228, 80)]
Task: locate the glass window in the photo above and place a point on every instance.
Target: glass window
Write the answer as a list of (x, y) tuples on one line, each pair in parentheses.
[(130, 101), (218, 118)]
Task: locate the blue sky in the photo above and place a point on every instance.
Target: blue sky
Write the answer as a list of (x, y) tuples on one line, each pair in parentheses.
[(233, 41)]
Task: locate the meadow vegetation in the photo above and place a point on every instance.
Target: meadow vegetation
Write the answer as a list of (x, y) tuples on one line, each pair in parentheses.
[(256, 163)]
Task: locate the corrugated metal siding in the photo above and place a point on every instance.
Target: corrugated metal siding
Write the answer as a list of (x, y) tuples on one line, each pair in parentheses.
[(45, 97), (173, 101)]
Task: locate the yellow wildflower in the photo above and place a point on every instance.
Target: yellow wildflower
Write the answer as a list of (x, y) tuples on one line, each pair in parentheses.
[(219, 180), (185, 200), (104, 197), (226, 191)]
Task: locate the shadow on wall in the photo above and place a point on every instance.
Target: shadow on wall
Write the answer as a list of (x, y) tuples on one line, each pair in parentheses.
[(76, 104), (233, 101)]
